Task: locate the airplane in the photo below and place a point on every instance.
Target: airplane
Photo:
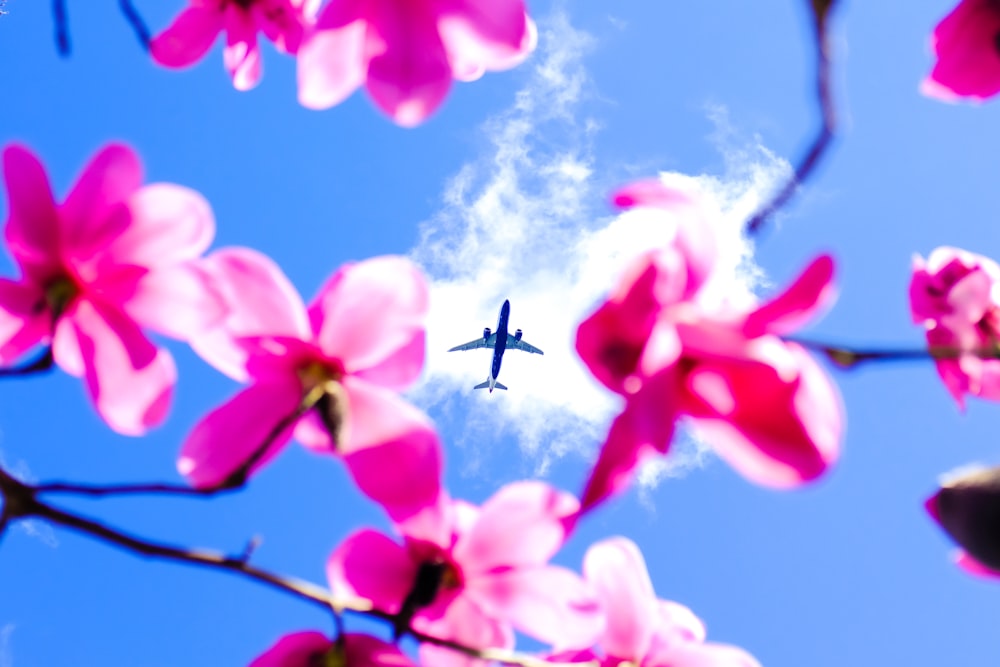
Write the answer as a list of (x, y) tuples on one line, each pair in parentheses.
[(499, 340)]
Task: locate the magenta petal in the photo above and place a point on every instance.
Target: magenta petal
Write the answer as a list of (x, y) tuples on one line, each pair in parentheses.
[(484, 34), (617, 570), (179, 302), (128, 378), (551, 604), (242, 54), (22, 323), (788, 311), (94, 214), (371, 566), (299, 649), (188, 38), (229, 435), (32, 229), (974, 567), (369, 314), (968, 63), (521, 525), (368, 651), (332, 64)]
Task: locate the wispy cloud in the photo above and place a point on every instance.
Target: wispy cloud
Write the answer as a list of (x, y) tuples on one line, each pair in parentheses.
[(6, 655), (30, 527), (528, 221)]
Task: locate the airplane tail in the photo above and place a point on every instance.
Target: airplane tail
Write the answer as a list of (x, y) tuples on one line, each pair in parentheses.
[(486, 385)]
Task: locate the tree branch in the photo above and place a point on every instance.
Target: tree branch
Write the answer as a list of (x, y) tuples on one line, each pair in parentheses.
[(849, 358), (62, 27), (135, 20)]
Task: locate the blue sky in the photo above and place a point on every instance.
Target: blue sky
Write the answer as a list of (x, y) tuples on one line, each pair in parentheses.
[(512, 175)]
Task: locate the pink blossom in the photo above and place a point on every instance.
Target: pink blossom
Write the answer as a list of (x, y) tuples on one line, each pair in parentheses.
[(967, 507), (642, 630), (194, 31), (469, 574), (359, 342), (314, 649), (407, 53), (762, 402), (968, 53), (954, 294), (113, 258)]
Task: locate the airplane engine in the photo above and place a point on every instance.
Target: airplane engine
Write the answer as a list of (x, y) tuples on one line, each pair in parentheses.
[(486, 334), (517, 334)]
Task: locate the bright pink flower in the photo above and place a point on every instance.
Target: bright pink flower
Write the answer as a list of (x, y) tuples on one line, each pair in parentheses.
[(314, 649), (407, 53), (967, 507), (763, 403), (113, 258), (967, 46), (642, 630), (194, 31), (469, 574), (956, 296), (359, 342)]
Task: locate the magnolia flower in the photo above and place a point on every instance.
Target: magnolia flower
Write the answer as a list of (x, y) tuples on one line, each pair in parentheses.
[(314, 649), (762, 402), (967, 506), (968, 55), (113, 258), (641, 630), (407, 53), (194, 31), (469, 574), (954, 295), (358, 342)]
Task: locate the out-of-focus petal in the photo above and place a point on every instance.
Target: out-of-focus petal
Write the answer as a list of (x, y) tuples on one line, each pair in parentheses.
[(66, 348), (968, 62), (974, 567), (332, 65), (281, 21), (695, 654), (371, 566), (467, 624), (521, 525), (484, 34), (299, 649), (94, 214), (128, 378), (617, 571), (242, 53), (552, 604), (787, 312), (226, 438), (674, 620), (179, 301), (23, 324), (188, 38), (32, 229), (369, 314)]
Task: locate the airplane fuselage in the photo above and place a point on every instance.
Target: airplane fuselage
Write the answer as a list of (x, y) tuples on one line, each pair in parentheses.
[(501, 343)]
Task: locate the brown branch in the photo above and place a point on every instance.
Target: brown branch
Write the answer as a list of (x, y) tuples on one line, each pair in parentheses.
[(848, 357), (828, 119)]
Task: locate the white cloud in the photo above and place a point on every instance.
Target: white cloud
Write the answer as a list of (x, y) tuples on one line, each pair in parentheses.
[(527, 221), (6, 656)]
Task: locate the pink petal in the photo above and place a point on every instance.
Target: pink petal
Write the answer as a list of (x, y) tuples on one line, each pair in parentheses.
[(551, 604), (408, 73), (128, 378), (299, 649), (675, 621), (371, 566), (188, 38), (974, 567), (695, 654), (66, 350), (227, 437), (484, 34), (368, 651), (649, 192), (370, 314), (968, 63), (274, 310), (332, 61), (391, 450), (521, 525), (32, 230), (180, 302), (281, 21), (617, 571), (24, 319), (242, 54), (466, 623), (790, 310)]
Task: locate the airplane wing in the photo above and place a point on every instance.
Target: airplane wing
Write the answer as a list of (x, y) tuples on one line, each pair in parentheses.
[(473, 344), (521, 345)]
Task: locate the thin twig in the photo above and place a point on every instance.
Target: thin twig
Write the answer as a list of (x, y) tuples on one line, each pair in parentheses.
[(62, 27), (828, 120), (44, 362), (135, 20), (849, 357)]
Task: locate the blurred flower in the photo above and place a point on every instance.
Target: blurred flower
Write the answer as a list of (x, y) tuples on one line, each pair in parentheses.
[(967, 506), (359, 342), (407, 53), (953, 294), (763, 403), (194, 31), (468, 574), (314, 649), (967, 46), (116, 256)]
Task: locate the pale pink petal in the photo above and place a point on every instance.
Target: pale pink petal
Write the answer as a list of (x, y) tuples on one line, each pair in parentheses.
[(332, 62), (398, 371), (789, 311), (24, 319), (128, 378), (281, 22), (369, 314), (188, 38), (226, 438), (674, 620), (408, 73), (521, 525), (299, 649), (974, 567), (551, 604), (467, 624), (242, 53), (276, 308), (694, 654), (32, 230), (968, 62), (94, 212), (371, 566), (179, 301), (617, 571), (66, 349), (484, 34)]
